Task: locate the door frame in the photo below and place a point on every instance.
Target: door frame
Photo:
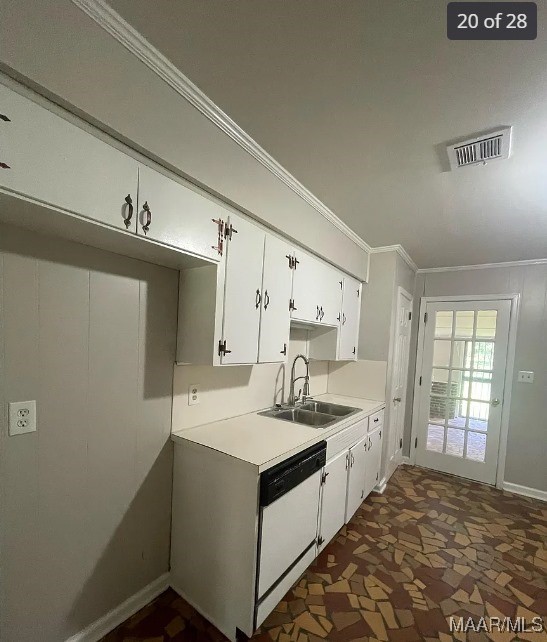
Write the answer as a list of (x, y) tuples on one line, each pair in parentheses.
[(384, 461), (508, 379)]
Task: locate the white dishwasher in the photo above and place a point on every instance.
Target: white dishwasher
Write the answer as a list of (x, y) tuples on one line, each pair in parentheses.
[(289, 507)]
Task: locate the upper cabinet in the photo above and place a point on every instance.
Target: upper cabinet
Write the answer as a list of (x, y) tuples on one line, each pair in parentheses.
[(349, 320), (317, 291), (51, 160), (176, 215)]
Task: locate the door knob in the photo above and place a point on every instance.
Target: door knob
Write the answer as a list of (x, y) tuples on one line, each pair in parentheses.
[(495, 402), (396, 399)]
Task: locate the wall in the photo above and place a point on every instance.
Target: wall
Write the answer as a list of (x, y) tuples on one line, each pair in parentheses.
[(526, 446), (85, 500), (65, 54), (236, 390)]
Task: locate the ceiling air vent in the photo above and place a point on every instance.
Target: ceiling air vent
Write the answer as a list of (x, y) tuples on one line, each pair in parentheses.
[(494, 145)]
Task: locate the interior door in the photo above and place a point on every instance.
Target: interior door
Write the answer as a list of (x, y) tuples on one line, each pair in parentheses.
[(333, 502), (373, 459), (53, 161), (275, 317), (242, 292), (174, 214), (356, 478), (399, 378), (461, 396), (349, 322)]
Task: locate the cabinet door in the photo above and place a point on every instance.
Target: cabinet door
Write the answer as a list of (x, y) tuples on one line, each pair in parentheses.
[(53, 161), (356, 478), (373, 456), (276, 292), (330, 294), (242, 292), (349, 323), (333, 502), (177, 215), (306, 287)]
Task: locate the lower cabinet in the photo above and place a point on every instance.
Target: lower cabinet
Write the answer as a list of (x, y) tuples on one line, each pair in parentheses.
[(333, 505), (373, 459), (356, 477)]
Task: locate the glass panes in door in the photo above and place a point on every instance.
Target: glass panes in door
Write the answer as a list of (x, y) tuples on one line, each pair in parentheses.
[(461, 382)]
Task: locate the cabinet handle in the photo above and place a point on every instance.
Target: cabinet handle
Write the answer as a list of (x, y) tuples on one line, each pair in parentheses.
[(4, 165), (338, 317), (127, 219), (5, 118), (258, 299), (284, 351), (353, 349), (146, 208), (322, 314), (317, 315), (266, 300), (343, 319)]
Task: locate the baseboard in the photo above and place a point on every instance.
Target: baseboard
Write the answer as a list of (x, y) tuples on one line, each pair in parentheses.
[(98, 629), (535, 493), (406, 461)]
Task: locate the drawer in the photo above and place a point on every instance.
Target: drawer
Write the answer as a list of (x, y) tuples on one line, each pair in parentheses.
[(377, 419), (346, 438)]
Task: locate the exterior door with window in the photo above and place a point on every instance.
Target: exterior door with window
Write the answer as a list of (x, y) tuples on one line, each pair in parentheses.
[(462, 387)]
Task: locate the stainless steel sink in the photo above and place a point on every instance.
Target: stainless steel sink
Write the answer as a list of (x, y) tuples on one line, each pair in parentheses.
[(312, 413), (329, 408)]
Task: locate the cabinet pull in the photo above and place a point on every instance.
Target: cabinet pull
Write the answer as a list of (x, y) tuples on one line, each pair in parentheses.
[(229, 230), (5, 118), (352, 459), (258, 299), (291, 261), (146, 208), (343, 319), (338, 317), (353, 349), (291, 305), (322, 314), (317, 314), (266, 300), (127, 219), (219, 247), (4, 165), (347, 461), (284, 351)]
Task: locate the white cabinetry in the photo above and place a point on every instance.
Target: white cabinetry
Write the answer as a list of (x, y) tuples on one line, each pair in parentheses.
[(51, 160), (356, 477), (373, 457), (349, 321), (176, 215), (276, 294), (333, 504)]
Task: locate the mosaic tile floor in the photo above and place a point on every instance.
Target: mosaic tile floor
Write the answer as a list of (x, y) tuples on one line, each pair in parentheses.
[(432, 546)]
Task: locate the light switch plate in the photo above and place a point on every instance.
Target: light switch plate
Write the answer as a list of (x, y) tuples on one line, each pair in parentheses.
[(22, 417), (193, 394), (525, 376)]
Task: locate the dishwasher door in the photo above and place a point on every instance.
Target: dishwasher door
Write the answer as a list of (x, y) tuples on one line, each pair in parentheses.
[(288, 531)]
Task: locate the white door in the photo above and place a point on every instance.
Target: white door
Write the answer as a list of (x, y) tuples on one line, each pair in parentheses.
[(373, 459), (399, 379), (333, 502), (174, 214), (462, 389), (330, 295), (242, 292), (356, 478), (53, 161), (306, 288), (349, 321), (275, 318)]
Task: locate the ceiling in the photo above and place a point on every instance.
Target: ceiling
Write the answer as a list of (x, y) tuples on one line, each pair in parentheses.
[(357, 99)]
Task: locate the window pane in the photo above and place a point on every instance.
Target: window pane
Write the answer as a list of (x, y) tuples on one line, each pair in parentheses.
[(457, 383), (441, 353), (476, 446), (458, 418), (486, 324), (478, 415), (435, 438), (454, 442), (443, 325), (464, 324), (483, 356), (461, 354), (480, 389)]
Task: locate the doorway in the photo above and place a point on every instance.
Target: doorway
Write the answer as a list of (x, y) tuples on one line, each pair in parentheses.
[(462, 370)]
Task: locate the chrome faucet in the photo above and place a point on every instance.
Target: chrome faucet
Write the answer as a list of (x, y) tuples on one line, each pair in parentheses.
[(306, 377)]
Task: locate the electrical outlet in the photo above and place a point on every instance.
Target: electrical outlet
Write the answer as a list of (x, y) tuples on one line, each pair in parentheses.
[(525, 376), (193, 394), (22, 417)]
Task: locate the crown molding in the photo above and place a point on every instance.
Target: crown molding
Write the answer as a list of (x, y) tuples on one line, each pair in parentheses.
[(482, 266), (111, 21), (400, 251)]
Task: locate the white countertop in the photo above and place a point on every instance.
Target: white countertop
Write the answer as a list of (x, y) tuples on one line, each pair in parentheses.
[(265, 441)]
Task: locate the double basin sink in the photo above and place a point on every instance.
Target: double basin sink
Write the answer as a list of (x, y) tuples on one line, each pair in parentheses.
[(317, 414)]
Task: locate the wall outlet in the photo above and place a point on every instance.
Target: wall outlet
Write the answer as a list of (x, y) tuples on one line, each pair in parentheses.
[(22, 417), (193, 394), (525, 376)]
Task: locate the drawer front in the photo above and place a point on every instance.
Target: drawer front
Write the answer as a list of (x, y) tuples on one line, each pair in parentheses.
[(346, 438), (377, 419)]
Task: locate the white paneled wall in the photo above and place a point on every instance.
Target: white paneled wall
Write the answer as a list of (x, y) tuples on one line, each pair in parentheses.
[(85, 499)]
